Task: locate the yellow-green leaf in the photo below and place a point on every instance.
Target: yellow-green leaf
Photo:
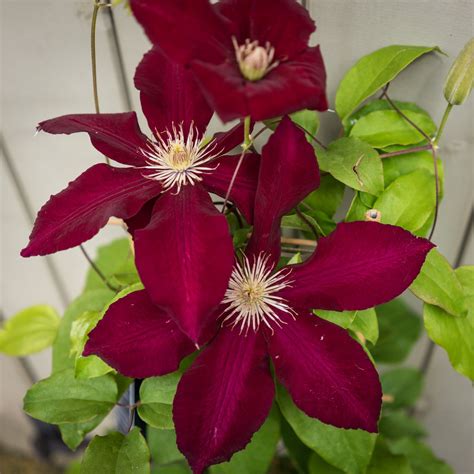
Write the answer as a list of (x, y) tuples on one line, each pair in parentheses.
[(29, 331)]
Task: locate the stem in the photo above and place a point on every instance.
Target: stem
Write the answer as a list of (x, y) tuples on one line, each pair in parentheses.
[(413, 124), (443, 123), (95, 12), (98, 271), (307, 222), (433, 148), (245, 147), (406, 151), (247, 137)]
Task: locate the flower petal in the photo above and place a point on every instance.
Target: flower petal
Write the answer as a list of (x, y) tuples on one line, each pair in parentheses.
[(78, 212), (184, 28), (223, 398), (245, 185), (117, 136), (327, 373), (358, 266), (169, 94), (288, 172), (138, 339), (185, 257), (142, 218), (285, 24), (296, 84)]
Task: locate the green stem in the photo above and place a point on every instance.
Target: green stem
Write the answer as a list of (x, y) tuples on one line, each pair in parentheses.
[(443, 123), (247, 137)]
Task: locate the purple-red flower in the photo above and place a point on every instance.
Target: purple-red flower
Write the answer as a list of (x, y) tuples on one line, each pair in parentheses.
[(250, 57), (162, 192), (266, 313)]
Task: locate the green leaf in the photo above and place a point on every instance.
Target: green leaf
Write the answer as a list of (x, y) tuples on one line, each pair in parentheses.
[(361, 203), (354, 163), (363, 322), (372, 72), (298, 452), (396, 166), (385, 462), (258, 454), (421, 458), (93, 300), (328, 197), (74, 433), (61, 398), (455, 335), (397, 424), (90, 366), (409, 201), (115, 260), (317, 465), (320, 221), (117, 454), (403, 384), (29, 331), (387, 127), (348, 450), (163, 446), (399, 329), (437, 284), (307, 119), (156, 396)]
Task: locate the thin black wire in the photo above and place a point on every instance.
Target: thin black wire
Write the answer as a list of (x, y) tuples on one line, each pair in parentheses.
[(120, 61), (27, 207)]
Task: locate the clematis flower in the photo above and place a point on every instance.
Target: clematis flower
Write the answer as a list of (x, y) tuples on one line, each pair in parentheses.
[(182, 242), (266, 314), (250, 57)]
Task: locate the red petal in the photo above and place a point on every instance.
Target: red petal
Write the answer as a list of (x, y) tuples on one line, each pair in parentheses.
[(243, 191), (285, 24), (296, 84), (78, 212), (169, 94), (184, 28), (223, 399), (138, 339), (117, 136), (288, 172), (358, 266), (185, 257), (327, 373)]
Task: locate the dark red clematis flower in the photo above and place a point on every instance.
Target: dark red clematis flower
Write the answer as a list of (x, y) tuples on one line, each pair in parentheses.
[(227, 393), (180, 236), (250, 57)]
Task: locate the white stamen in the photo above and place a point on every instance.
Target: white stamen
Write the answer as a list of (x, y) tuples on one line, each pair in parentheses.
[(251, 295), (178, 161), (254, 61)]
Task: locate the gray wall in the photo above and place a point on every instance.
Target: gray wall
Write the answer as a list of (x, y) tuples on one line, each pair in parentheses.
[(46, 72)]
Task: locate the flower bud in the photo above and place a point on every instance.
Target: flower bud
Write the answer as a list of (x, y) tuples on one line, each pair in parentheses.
[(460, 78)]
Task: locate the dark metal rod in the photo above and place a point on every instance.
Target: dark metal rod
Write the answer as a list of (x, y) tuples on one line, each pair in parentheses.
[(27, 207), (120, 61)]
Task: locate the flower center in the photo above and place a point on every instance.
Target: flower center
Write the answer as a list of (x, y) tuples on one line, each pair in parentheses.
[(176, 160), (251, 295), (254, 61)]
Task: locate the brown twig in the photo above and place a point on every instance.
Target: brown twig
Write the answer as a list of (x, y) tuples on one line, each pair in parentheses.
[(405, 151)]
